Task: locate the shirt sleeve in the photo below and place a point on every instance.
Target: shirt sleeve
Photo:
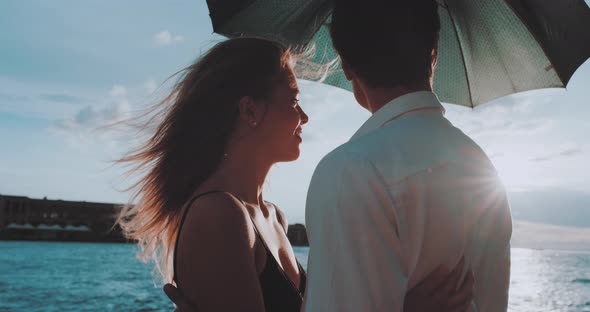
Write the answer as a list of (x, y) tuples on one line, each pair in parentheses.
[(493, 271), (355, 259), (491, 219)]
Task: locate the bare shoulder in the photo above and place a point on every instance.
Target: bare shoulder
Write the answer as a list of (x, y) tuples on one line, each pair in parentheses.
[(218, 212), (281, 217), (215, 220), (215, 259)]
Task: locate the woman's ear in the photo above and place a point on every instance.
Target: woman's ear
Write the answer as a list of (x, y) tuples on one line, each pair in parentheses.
[(250, 111)]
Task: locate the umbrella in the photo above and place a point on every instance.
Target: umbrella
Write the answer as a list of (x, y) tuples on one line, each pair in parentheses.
[(487, 48)]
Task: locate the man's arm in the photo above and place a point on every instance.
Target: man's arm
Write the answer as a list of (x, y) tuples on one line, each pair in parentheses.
[(355, 261), (492, 229), (493, 271)]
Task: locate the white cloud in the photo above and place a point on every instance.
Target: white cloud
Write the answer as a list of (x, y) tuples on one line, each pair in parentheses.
[(41, 100), (515, 115), (165, 38), (118, 90), (114, 120), (571, 152), (566, 152), (92, 124), (91, 117), (150, 86)]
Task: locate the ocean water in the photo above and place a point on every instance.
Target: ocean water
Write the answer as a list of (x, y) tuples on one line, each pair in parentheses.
[(50, 276)]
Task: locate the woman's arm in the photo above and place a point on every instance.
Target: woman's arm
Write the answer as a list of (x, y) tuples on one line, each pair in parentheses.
[(442, 291), (216, 264)]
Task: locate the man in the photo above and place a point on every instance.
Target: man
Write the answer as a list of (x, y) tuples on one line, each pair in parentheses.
[(409, 192)]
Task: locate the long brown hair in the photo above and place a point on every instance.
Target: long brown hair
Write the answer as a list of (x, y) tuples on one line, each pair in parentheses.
[(197, 120)]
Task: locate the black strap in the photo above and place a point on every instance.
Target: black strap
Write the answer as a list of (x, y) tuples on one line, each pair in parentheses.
[(271, 257), (182, 222), (269, 254)]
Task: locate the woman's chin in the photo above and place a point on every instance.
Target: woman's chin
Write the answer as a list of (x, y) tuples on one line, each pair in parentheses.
[(295, 156), (292, 156)]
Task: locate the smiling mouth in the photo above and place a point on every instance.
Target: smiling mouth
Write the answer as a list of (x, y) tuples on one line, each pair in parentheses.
[(298, 133)]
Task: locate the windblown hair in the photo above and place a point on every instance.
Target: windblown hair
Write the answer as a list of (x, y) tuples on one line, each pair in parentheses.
[(194, 125)]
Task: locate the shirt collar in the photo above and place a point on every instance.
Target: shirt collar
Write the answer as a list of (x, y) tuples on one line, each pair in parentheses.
[(397, 107)]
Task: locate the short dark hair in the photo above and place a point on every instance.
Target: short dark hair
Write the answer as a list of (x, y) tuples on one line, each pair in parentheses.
[(387, 43)]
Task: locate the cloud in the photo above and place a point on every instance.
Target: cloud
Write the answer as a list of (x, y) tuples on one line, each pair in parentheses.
[(150, 86), (62, 98), (494, 126), (110, 122), (118, 90), (571, 152), (12, 98), (541, 159), (44, 105), (165, 38), (521, 114), (568, 152), (91, 117)]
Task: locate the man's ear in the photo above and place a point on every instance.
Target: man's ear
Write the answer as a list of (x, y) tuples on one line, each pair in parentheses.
[(250, 111), (434, 58), (346, 69)]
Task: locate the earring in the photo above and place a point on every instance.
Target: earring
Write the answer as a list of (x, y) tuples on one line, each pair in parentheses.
[(254, 124), (224, 156)]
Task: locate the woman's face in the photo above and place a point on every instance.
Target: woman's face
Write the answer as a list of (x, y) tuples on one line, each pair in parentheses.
[(281, 127)]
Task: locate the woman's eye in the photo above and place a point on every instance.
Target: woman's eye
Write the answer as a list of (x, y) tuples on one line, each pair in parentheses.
[(295, 102)]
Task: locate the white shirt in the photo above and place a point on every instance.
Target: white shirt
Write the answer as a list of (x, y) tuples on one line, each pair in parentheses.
[(407, 193)]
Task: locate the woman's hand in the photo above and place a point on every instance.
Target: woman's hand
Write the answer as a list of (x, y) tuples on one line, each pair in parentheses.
[(440, 291), (175, 295)]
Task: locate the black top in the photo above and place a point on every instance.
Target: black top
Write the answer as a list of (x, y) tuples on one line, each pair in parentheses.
[(278, 291)]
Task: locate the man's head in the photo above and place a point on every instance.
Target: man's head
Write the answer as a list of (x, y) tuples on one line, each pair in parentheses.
[(386, 43)]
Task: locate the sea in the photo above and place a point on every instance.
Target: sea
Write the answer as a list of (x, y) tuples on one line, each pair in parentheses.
[(55, 276)]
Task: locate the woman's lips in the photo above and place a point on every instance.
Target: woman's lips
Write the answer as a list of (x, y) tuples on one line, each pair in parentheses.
[(298, 133)]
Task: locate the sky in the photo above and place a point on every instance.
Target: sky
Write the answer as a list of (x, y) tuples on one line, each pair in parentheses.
[(69, 67)]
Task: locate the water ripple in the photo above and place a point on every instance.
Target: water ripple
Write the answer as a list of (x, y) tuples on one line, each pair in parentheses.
[(41, 276)]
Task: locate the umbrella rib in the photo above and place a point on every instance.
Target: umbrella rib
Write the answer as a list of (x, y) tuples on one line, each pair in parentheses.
[(537, 40), (462, 54)]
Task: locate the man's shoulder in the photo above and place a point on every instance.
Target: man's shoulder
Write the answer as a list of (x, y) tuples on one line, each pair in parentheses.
[(345, 155)]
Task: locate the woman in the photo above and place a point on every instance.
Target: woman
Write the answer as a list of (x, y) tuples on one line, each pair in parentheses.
[(201, 213)]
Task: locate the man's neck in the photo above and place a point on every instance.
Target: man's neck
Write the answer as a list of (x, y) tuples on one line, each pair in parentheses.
[(378, 97)]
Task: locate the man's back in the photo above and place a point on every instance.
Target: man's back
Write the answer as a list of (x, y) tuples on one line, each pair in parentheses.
[(408, 193)]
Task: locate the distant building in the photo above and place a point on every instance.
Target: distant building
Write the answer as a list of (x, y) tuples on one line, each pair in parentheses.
[(23, 218)]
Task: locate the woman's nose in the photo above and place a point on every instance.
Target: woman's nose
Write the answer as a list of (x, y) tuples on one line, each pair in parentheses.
[(304, 117)]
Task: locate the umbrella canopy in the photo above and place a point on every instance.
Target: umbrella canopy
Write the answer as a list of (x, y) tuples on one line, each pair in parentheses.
[(487, 48)]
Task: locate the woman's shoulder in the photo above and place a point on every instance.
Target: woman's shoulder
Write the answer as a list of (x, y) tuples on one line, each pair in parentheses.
[(217, 213), (216, 248)]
